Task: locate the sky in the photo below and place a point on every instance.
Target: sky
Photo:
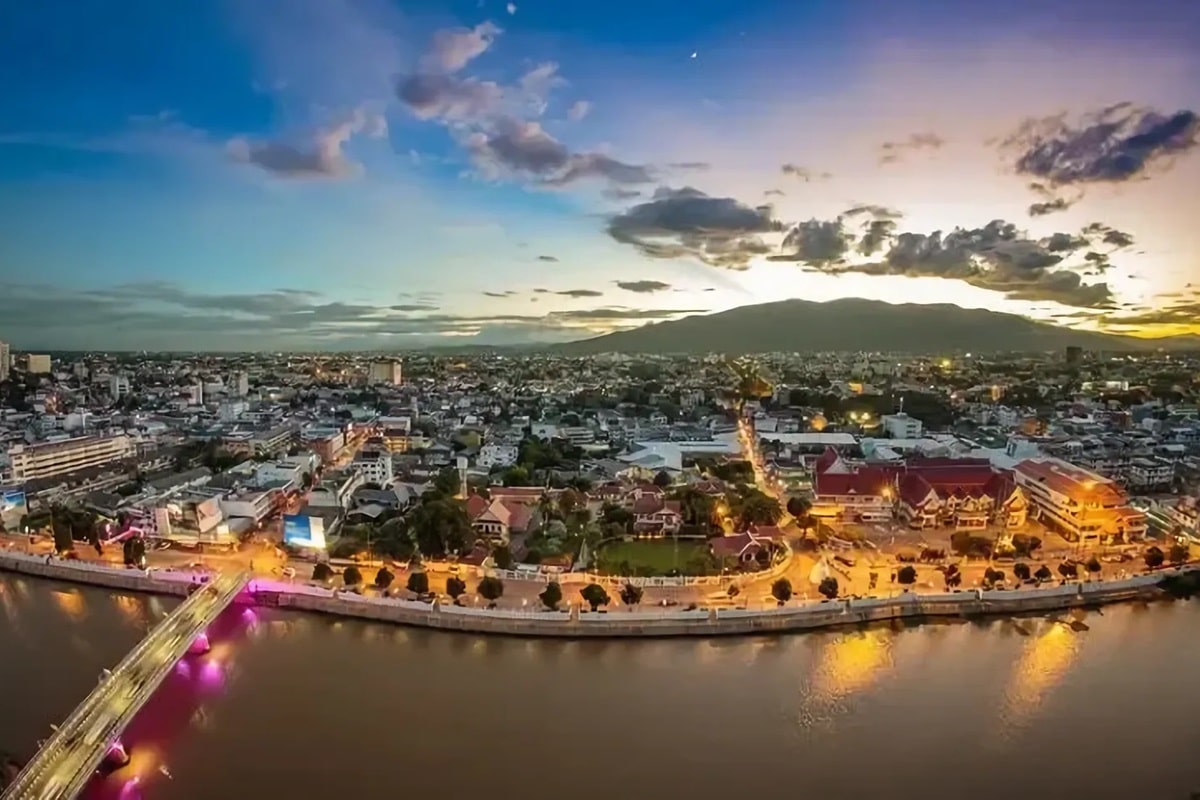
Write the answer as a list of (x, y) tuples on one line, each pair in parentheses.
[(371, 174)]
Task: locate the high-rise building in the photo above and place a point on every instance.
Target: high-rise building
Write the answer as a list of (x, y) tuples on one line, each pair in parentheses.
[(241, 384), (37, 364), (384, 372), (4, 365)]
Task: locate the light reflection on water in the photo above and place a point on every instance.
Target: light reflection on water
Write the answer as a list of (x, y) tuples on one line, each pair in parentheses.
[(1047, 656)]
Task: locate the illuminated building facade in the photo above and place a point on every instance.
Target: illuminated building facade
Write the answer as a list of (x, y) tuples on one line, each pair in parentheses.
[(1081, 504)]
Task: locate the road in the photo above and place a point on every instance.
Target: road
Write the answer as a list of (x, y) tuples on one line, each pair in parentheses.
[(67, 760)]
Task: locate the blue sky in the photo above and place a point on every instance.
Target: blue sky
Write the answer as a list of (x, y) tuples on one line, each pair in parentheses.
[(299, 174)]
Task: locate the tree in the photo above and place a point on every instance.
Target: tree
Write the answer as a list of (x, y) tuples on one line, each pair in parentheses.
[(490, 589), (384, 578), (662, 480), (1043, 574), (828, 587), (322, 573), (502, 556), (1068, 569), (1021, 571), (63, 540), (781, 590), (351, 576), (515, 476), (1093, 565), (991, 577), (753, 507), (1154, 557), (455, 587), (418, 582), (631, 595), (798, 507), (953, 576), (551, 596), (306, 481), (594, 595), (907, 575), (441, 526), (134, 552), (448, 482), (1178, 553)]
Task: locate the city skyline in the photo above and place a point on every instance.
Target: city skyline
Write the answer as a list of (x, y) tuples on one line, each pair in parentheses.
[(358, 175)]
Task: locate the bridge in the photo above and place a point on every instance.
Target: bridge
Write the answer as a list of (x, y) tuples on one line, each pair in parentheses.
[(69, 758)]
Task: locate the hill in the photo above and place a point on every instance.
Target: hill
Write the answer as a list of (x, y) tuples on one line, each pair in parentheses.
[(857, 325)]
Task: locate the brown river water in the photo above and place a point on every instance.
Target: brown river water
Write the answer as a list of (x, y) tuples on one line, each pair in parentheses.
[(1096, 705)]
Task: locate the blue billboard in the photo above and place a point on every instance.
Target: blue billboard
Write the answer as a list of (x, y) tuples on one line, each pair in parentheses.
[(301, 530), (12, 506)]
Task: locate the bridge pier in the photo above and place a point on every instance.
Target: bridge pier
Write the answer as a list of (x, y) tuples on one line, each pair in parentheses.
[(199, 645), (117, 756)]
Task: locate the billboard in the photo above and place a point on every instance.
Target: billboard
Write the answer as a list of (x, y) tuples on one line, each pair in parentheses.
[(301, 530), (12, 506)]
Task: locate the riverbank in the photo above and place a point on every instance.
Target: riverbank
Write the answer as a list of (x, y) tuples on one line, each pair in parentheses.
[(636, 622)]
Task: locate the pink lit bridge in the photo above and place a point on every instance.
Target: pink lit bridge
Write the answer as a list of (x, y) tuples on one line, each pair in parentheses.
[(69, 758)]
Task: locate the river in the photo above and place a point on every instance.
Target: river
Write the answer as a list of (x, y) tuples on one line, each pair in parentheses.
[(288, 705)]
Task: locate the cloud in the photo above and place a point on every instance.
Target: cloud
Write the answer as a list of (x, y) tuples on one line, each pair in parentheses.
[(511, 8), (891, 152), (577, 293), (878, 212), (618, 193), (322, 157), (774, 193), (644, 286), (164, 316), (1183, 313), (517, 147), (1112, 145), (453, 48), (997, 257), (537, 84), (695, 166), (676, 223), (448, 97), (1049, 207), (816, 242), (1105, 234), (804, 173), (547, 258), (578, 110), (506, 293)]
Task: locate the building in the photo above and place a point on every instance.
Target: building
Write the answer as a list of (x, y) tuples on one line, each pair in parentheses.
[(1081, 504), (1150, 473), (858, 493), (255, 506), (901, 426), (335, 489), (327, 443), (271, 441), (375, 464), (384, 372), (29, 462), (498, 518), (118, 386), (497, 455), (241, 384), (963, 494), (5, 361), (37, 364)]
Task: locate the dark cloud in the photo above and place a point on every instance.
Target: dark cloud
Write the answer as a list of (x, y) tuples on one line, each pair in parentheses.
[(618, 193), (1049, 207), (677, 223), (511, 146), (891, 152), (508, 293), (816, 242), (1104, 234), (541, 291), (448, 97), (774, 193), (165, 317), (878, 212), (320, 157), (698, 166), (1063, 243), (413, 307), (580, 293), (1112, 145), (804, 173), (643, 286), (1185, 313), (876, 234), (547, 258)]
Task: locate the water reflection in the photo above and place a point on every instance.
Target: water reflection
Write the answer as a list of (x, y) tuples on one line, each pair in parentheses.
[(1045, 660), (70, 602), (851, 662)]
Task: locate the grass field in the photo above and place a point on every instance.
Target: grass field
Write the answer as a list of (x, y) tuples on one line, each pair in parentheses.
[(651, 556)]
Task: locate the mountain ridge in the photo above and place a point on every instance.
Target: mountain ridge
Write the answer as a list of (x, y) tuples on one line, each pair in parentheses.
[(857, 325)]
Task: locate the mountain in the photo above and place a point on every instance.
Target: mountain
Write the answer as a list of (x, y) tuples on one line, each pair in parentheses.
[(858, 325)]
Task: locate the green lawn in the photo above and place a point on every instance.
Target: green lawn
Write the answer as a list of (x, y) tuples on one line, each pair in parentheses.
[(652, 556)]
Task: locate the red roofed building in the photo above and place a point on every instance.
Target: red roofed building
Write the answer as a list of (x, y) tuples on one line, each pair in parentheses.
[(655, 516), (1079, 503), (964, 497), (498, 518), (844, 491)]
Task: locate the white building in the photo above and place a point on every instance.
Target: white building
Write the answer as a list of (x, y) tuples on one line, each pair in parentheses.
[(375, 466), (384, 372), (497, 455), (241, 384), (37, 364), (5, 363), (251, 505), (48, 459), (901, 426), (118, 386)]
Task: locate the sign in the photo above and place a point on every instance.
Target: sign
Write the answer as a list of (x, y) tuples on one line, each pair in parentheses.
[(13, 506), (301, 530)]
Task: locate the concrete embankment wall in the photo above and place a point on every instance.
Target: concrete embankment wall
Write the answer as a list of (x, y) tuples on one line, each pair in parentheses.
[(130, 580), (647, 621)]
